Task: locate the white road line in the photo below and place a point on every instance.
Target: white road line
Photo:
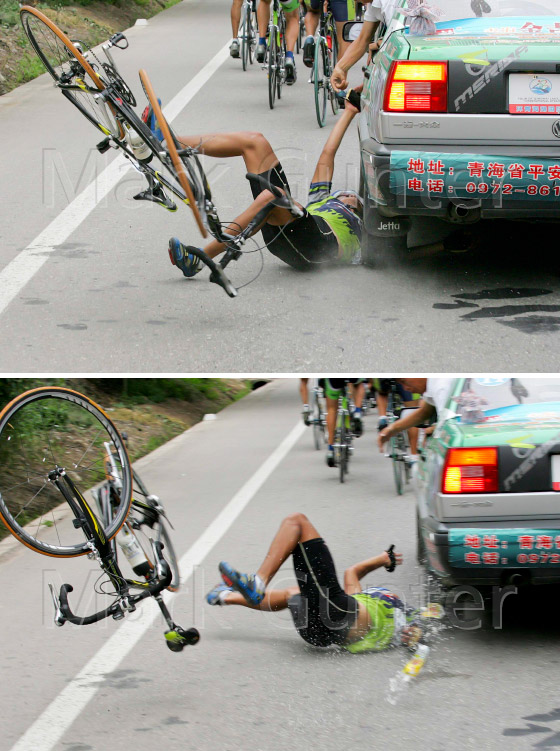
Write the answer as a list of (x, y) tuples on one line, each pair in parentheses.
[(47, 730), (27, 263)]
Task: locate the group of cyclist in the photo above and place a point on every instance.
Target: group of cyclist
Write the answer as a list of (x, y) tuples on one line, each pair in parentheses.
[(328, 229), (419, 401)]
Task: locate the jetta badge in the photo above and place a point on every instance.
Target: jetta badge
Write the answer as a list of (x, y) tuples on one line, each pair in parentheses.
[(556, 129)]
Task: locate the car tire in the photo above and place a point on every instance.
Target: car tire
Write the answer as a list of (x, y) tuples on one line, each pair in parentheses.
[(383, 252)]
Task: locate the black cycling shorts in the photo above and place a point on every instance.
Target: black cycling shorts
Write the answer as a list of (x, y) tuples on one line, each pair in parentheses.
[(323, 613), (305, 242)]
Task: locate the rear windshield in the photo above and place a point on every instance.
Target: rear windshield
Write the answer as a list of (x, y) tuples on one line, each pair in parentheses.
[(454, 10), (481, 399)]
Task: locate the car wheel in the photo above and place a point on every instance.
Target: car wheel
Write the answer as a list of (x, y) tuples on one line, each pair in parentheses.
[(383, 252)]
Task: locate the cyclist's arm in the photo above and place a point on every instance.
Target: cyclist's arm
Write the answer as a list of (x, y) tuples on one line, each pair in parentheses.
[(356, 572), (325, 166), (355, 51), (424, 412)]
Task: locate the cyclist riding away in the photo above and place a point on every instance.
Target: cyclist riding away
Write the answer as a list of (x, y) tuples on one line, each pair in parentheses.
[(291, 11), (329, 229), (324, 613), (333, 390), (342, 10)]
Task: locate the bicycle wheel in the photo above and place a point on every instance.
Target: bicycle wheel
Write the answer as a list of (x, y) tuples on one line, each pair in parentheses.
[(70, 70), (343, 464), (252, 43), (398, 464), (331, 63), (272, 68), (148, 522), (50, 429), (318, 431), (245, 24), (178, 165), (321, 91)]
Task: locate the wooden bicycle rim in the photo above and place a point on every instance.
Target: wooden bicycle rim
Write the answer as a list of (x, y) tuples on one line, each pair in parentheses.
[(177, 163)]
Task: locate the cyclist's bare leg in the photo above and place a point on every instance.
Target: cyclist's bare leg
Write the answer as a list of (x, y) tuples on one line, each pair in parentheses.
[(235, 17), (278, 217), (294, 529), (252, 146), (303, 390), (263, 16), (358, 391), (413, 440), (342, 45), (332, 408), (311, 22), (274, 599), (292, 29)]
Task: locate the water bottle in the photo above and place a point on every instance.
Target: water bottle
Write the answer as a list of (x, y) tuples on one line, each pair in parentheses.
[(133, 553), (140, 149), (414, 666)]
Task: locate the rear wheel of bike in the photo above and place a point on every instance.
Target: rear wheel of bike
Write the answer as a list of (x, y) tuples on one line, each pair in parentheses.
[(272, 68), (252, 35), (343, 451), (148, 522), (50, 430), (318, 429), (333, 58), (184, 175), (320, 85), (69, 68), (245, 36)]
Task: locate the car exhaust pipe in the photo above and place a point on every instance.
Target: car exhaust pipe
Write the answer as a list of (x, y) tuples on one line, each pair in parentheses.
[(460, 214)]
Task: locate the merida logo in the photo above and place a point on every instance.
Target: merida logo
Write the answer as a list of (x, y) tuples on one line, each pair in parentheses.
[(389, 225)]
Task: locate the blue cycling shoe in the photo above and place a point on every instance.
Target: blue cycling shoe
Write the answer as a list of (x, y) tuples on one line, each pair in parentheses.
[(180, 255), (250, 586), (149, 118), (217, 595)]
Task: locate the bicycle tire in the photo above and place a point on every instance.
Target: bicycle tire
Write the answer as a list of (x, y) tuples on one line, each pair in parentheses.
[(64, 62), (138, 488), (33, 429), (318, 432), (245, 23), (333, 59), (397, 463), (272, 67), (343, 454), (281, 64), (169, 138), (319, 87)]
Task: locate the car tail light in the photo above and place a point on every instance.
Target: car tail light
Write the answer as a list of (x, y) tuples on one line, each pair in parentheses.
[(416, 87), (471, 471)]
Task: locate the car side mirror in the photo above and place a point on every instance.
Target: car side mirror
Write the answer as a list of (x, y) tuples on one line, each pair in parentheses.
[(351, 30)]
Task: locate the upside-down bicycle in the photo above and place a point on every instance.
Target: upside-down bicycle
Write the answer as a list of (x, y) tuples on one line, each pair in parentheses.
[(100, 93), (54, 446)]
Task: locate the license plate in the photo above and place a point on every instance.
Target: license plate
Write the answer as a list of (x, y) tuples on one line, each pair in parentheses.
[(555, 471), (534, 93)]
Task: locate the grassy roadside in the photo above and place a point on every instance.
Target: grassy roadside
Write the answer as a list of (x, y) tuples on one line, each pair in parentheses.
[(92, 21), (150, 411)]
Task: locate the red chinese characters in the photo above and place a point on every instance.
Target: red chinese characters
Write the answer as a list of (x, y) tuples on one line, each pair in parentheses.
[(526, 542), (473, 558), (475, 169), (491, 559), (516, 171), (417, 166), (496, 170), (535, 171), (435, 186), (544, 542), (436, 167), (416, 185), (472, 541)]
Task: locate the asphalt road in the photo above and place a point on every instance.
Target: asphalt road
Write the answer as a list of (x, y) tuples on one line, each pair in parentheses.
[(107, 299), (251, 682)]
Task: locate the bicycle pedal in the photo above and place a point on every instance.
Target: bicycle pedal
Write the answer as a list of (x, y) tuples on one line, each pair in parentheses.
[(177, 638), (156, 196)]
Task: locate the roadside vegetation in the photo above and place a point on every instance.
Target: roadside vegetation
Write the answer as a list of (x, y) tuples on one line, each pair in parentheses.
[(151, 411), (92, 21)]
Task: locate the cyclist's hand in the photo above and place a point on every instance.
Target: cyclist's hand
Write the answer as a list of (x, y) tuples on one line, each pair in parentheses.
[(382, 438), (339, 80), (398, 559)]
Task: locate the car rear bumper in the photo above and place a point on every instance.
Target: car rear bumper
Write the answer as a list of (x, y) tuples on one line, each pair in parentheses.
[(446, 182), (446, 558)]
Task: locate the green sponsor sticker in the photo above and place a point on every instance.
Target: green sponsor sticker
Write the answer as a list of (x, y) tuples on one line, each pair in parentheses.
[(504, 548), (431, 174)]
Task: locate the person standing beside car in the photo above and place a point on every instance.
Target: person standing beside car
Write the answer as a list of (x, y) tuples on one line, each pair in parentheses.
[(378, 11), (435, 392)]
